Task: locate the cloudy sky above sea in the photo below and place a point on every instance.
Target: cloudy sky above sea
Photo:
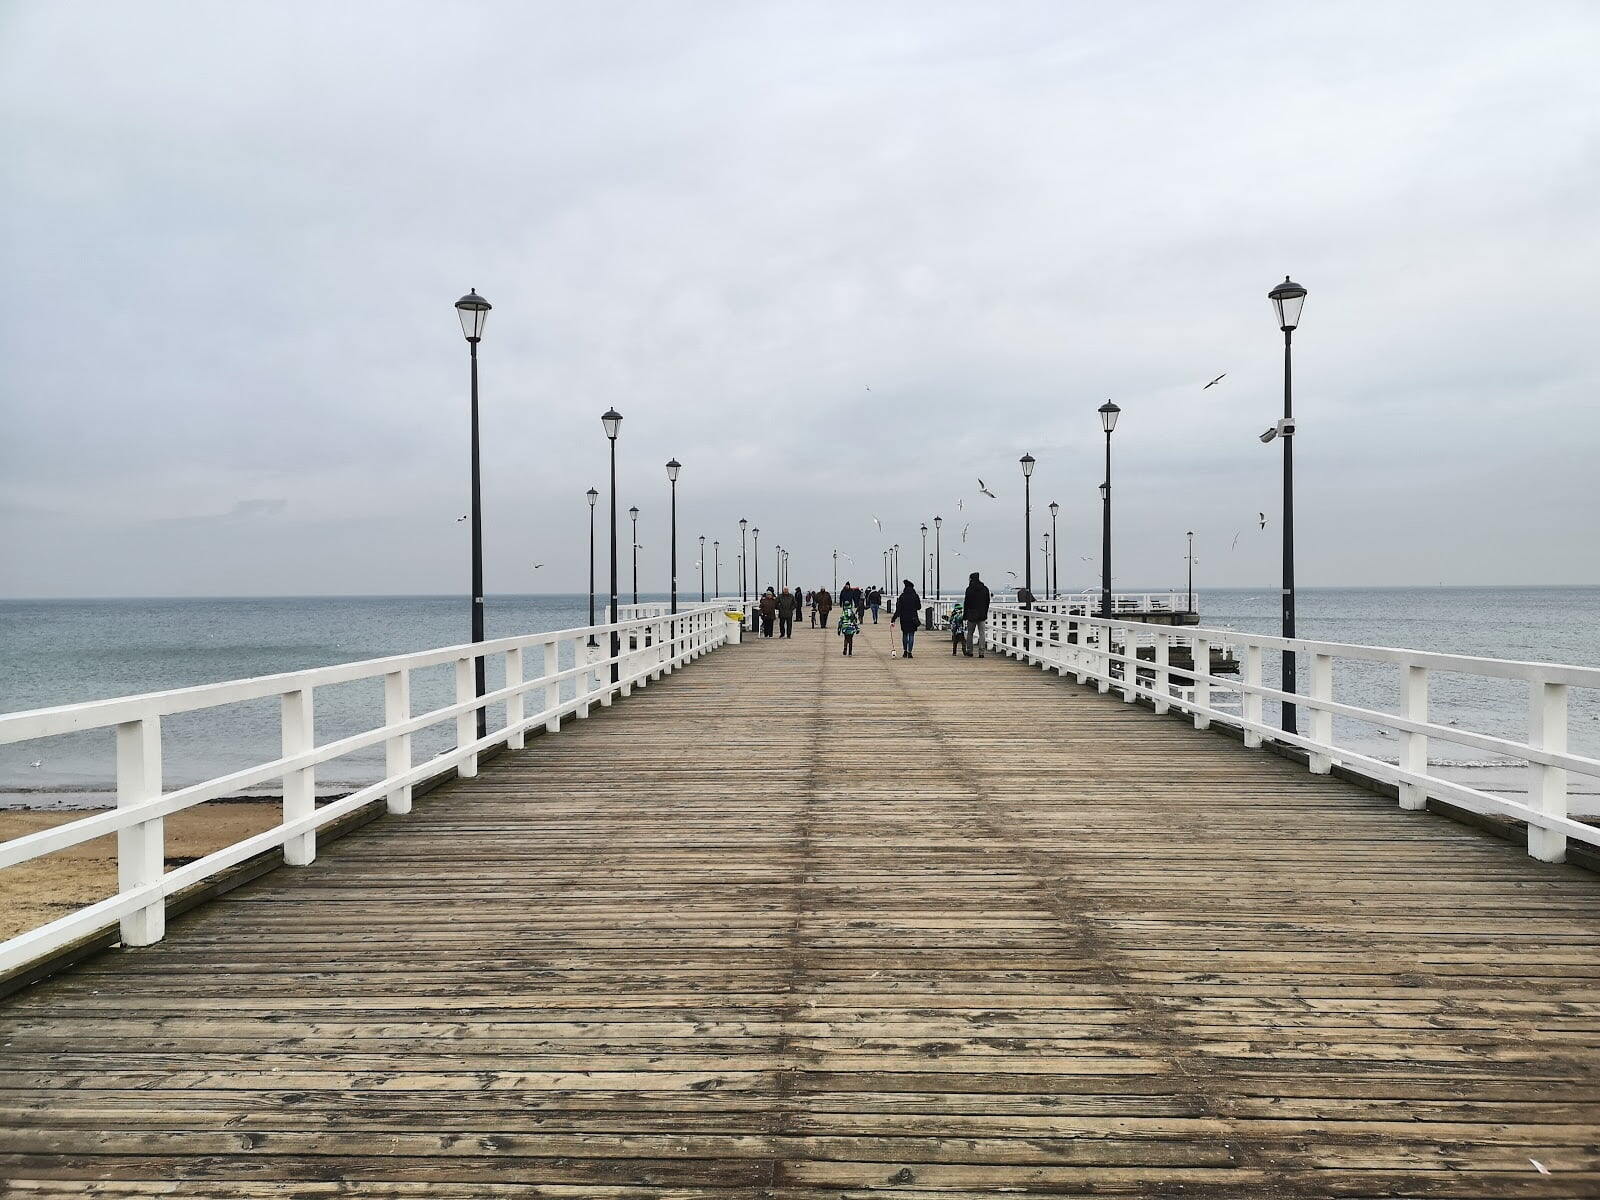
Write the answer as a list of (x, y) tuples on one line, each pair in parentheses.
[(840, 259)]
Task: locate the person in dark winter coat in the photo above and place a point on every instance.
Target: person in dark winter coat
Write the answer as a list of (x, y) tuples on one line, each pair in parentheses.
[(908, 615), (769, 611), (785, 614), (975, 611), (850, 594), (822, 605), (874, 602)]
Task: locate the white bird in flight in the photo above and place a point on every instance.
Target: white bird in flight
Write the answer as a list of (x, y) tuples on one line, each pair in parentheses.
[(1262, 517), (536, 566), (461, 518), (1216, 381), (964, 529), (878, 523), (985, 490), (1235, 545), (36, 763)]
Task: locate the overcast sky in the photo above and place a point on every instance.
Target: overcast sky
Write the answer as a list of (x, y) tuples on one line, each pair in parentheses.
[(233, 233)]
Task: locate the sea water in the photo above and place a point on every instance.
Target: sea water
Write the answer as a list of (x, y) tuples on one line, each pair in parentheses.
[(65, 651)]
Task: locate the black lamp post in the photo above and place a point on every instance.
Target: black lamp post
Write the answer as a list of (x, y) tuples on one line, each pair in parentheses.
[(924, 558), (777, 566), (1287, 299), (1044, 561), (1053, 577), (716, 568), (938, 559), (1108, 421), (1027, 524), (836, 572), (673, 467), (701, 564), (473, 310), (612, 421), (634, 514), (755, 561), (1190, 556), (593, 497), (744, 594)]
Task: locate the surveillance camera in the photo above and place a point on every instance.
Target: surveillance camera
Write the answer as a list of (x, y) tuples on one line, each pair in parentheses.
[(1270, 434)]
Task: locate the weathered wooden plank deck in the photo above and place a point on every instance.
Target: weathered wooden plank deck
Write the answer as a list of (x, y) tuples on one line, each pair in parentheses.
[(787, 924)]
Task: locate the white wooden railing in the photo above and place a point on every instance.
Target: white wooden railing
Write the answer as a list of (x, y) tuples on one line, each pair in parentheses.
[(1105, 653), (1077, 603), (649, 647)]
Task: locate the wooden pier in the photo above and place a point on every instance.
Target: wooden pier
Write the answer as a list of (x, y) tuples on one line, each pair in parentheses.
[(787, 924)]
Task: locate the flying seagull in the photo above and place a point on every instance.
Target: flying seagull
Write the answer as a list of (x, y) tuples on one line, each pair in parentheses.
[(461, 518), (1216, 381), (878, 523), (1013, 574), (536, 566), (964, 529), (1262, 517), (961, 504), (982, 488), (1235, 545), (37, 763), (868, 386)]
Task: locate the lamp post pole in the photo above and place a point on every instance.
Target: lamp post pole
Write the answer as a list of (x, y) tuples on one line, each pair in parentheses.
[(938, 559), (924, 558), (1053, 578), (755, 561), (634, 513), (835, 572), (1190, 556), (1044, 561), (1287, 299), (744, 593), (700, 565), (1108, 421), (612, 422), (1027, 526), (673, 467), (473, 310), (716, 568), (593, 497)]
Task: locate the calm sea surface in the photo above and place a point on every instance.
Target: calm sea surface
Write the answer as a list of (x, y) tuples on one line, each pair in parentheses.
[(61, 651)]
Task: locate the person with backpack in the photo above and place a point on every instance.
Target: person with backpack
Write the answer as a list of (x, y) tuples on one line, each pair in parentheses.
[(908, 615), (975, 612), (849, 626)]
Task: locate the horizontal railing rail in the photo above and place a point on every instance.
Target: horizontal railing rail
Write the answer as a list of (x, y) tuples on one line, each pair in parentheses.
[(648, 647), (1105, 652)]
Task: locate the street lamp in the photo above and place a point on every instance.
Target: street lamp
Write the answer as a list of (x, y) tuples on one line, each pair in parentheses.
[(716, 568), (1287, 299), (1190, 556), (1027, 524), (744, 595), (701, 564), (634, 514), (1108, 421), (924, 558), (473, 310), (673, 467), (1044, 560), (593, 497), (938, 559), (612, 422), (1052, 581), (835, 572), (755, 561)]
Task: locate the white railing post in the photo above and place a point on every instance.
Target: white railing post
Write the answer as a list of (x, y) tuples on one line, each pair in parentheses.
[(141, 848), (397, 749), (1080, 652), (1102, 648), (1130, 670), (1321, 718), (1547, 791), (1200, 655), (585, 650), (1251, 700), (1413, 746), (1163, 677), (299, 787), (550, 694), (514, 708), (467, 722)]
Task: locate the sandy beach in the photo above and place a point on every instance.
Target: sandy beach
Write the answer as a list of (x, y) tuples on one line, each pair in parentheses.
[(53, 886)]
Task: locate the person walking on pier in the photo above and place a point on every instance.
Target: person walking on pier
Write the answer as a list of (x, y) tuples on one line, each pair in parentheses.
[(850, 597), (769, 610), (874, 602), (849, 626), (908, 615), (812, 597), (975, 611), (822, 603), (785, 613)]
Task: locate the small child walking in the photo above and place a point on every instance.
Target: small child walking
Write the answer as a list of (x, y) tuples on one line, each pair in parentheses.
[(849, 626), (958, 621)]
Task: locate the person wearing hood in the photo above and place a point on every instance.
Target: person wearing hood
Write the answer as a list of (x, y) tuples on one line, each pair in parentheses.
[(908, 615), (769, 611)]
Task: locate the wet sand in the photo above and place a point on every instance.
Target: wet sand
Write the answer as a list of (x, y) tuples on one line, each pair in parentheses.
[(53, 886)]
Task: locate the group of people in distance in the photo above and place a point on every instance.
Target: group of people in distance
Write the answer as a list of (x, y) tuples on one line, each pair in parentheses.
[(968, 620)]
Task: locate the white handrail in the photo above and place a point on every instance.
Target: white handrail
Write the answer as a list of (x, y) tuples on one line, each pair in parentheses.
[(649, 646), (1105, 652)]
